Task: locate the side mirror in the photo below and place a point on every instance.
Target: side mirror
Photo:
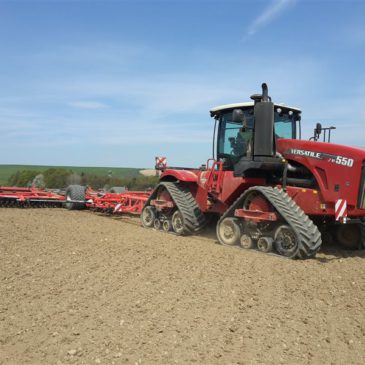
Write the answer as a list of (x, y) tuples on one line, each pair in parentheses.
[(238, 116), (317, 132), (318, 129)]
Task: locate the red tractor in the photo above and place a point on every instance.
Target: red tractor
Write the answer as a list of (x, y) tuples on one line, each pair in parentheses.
[(270, 189)]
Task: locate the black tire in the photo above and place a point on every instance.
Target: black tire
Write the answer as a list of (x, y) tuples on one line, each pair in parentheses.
[(75, 192), (362, 226), (229, 232), (118, 189), (148, 216), (349, 236)]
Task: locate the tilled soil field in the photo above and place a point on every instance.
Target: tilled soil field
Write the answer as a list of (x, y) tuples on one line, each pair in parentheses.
[(81, 288)]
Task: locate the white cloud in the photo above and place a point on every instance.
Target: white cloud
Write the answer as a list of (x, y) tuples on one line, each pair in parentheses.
[(276, 8), (88, 105), (161, 112)]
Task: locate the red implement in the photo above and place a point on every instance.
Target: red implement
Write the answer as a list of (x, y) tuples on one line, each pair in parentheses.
[(14, 196)]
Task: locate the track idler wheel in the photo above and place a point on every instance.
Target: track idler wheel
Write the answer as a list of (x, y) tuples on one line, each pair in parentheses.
[(286, 242), (246, 241), (229, 231), (265, 244), (177, 223), (148, 216)]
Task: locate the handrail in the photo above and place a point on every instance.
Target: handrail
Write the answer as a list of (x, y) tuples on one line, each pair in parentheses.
[(215, 179)]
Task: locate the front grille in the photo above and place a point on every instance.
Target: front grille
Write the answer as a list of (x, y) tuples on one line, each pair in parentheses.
[(361, 199)]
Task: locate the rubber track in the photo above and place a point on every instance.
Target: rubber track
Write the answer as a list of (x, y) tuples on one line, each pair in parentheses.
[(194, 219), (307, 233)]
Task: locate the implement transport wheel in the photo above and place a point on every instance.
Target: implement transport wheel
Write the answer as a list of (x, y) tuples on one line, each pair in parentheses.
[(75, 192), (286, 242), (264, 244), (177, 223), (148, 216), (228, 232), (349, 236)]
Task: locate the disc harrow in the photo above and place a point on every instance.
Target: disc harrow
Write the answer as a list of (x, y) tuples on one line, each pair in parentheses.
[(120, 201), (128, 202), (14, 197)]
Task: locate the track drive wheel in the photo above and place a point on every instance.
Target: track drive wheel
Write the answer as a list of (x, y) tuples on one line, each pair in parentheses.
[(229, 231), (286, 242), (349, 236), (75, 192), (148, 216)]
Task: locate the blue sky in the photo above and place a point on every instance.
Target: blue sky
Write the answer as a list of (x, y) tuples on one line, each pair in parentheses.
[(115, 83)]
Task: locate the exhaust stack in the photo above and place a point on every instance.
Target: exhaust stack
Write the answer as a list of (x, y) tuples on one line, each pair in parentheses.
[(264, 145)]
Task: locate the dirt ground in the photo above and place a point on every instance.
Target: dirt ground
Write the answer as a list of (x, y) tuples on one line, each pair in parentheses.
[(80, 288)]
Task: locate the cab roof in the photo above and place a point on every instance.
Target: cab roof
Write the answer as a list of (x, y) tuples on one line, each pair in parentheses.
[(218, 109)]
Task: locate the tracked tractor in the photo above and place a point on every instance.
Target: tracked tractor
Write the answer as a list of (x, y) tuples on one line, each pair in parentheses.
[(268, 189)]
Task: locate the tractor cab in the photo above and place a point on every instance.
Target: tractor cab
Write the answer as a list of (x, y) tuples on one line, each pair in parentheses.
[(246, 134)]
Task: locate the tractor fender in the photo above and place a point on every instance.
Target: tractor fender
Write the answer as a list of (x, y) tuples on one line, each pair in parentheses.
[(180, 175)]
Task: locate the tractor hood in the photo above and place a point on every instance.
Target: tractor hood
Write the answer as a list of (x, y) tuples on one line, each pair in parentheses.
[(294, 149), (337, 169)]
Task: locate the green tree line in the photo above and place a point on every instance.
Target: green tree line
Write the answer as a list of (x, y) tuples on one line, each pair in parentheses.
[(59, 178)]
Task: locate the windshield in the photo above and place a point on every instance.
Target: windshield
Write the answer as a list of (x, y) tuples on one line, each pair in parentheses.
[(236, 140), (284, 126)]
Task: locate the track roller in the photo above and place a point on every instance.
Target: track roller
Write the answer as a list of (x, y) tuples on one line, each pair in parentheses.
[(166, 225), (265, 244), (157, 224), (246, 241)]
